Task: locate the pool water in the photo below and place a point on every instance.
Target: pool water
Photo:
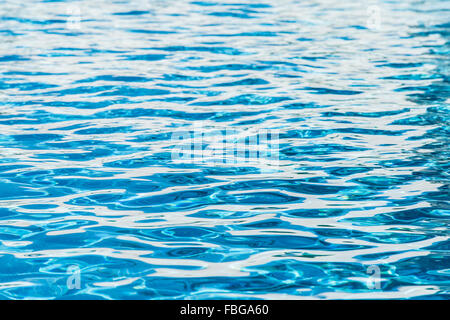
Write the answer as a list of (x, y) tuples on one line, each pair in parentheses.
[(134, 138)]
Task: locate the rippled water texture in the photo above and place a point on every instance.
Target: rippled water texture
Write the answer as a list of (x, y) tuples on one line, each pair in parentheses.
[(92, 93)]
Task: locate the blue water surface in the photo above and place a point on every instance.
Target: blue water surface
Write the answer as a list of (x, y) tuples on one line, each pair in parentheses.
[(356, 205)]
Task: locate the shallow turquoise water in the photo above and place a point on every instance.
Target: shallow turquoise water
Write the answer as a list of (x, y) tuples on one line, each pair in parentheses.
[(91, 95)]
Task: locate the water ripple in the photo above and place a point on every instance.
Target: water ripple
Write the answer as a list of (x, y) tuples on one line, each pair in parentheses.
[(91, 96)]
